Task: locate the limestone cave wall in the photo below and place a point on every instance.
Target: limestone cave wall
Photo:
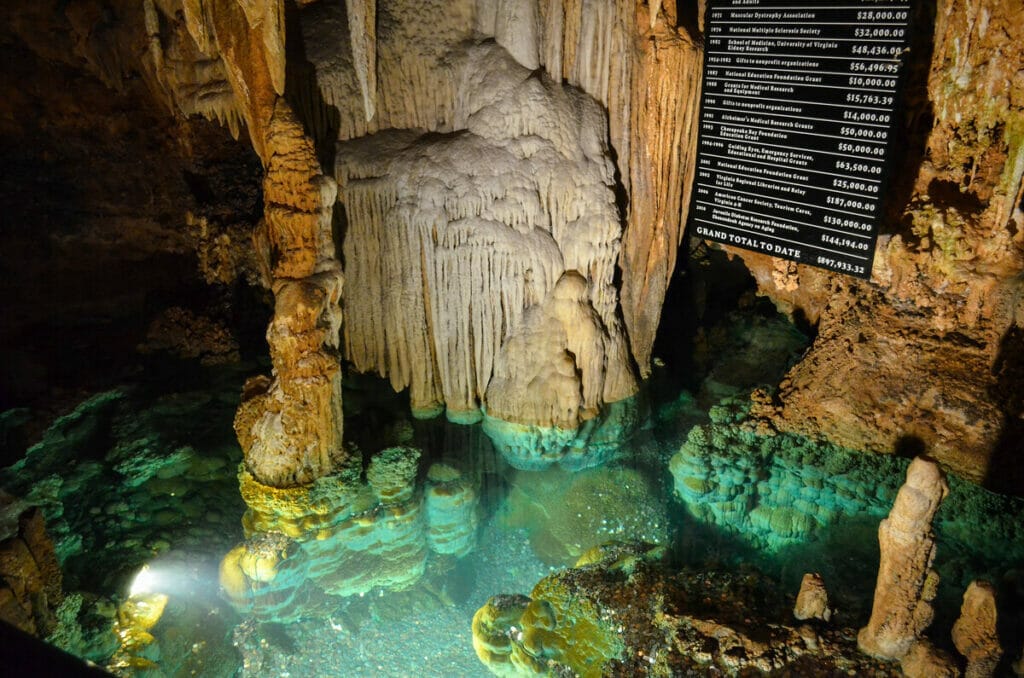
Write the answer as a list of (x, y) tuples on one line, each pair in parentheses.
[(924, 357)]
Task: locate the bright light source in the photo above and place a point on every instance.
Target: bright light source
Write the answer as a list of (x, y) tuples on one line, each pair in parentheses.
[(145, 582)]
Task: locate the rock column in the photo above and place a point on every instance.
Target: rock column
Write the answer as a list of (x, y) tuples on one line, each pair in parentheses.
[(907, 583)]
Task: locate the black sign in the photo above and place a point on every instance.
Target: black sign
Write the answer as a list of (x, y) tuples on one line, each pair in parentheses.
[(797, 112)]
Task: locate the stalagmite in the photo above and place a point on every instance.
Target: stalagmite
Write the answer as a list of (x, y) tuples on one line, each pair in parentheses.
[(975, 634), (362, 27), (812, 601), (902, 607), (451, 503), (227, 60), (298, 437)]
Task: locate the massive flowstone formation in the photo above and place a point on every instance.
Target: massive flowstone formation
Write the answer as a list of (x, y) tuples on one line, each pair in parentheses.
[(926, 351), (642, 68), (480, 264)]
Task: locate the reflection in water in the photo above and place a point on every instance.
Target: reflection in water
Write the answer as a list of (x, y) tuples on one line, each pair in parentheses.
[(420, 558)]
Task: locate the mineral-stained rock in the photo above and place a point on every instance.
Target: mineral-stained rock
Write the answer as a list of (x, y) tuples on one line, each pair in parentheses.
[(620, 612), (774, 489), (308, 547), (30, 577), (812, 600), (919, 351), (392, 474), (902, 607), (975, 633), (492, 639), (190, 335)]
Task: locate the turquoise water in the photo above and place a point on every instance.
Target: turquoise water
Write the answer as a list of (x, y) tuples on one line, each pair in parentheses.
[(147, 476)]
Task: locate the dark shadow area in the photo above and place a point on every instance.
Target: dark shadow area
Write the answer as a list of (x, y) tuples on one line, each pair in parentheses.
[(909, 447), (688, 18), (1006, 465), (26, 655), (707, 286), (303, 92)]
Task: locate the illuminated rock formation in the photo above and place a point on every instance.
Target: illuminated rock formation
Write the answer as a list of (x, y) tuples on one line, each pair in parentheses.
[(620, 612), (975, 632), (812, 600), (291, 432), (907, 584), (309, 547), (502, 239)]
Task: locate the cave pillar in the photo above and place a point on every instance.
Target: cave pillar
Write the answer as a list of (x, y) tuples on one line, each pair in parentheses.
[(290, 425), (664, 102)]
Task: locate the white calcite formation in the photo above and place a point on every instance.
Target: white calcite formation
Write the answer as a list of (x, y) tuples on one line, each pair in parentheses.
[(907, 584), (454, 245)]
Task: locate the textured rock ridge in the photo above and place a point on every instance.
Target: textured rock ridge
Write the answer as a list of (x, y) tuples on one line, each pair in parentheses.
[(297, 437), (30, 576), (451, 239), (907, 584)]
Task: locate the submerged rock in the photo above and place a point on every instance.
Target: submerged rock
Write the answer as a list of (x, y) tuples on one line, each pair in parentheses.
[(566, 514)]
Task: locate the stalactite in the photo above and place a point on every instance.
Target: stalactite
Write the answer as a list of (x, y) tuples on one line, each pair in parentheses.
[(517, 29), (362, 29), (661, 166), (413, 87)]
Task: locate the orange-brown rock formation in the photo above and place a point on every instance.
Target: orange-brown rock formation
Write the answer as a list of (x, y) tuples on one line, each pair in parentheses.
[(907, 584), (975, 634), (30, 577), (292, 433), (922, 353)]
